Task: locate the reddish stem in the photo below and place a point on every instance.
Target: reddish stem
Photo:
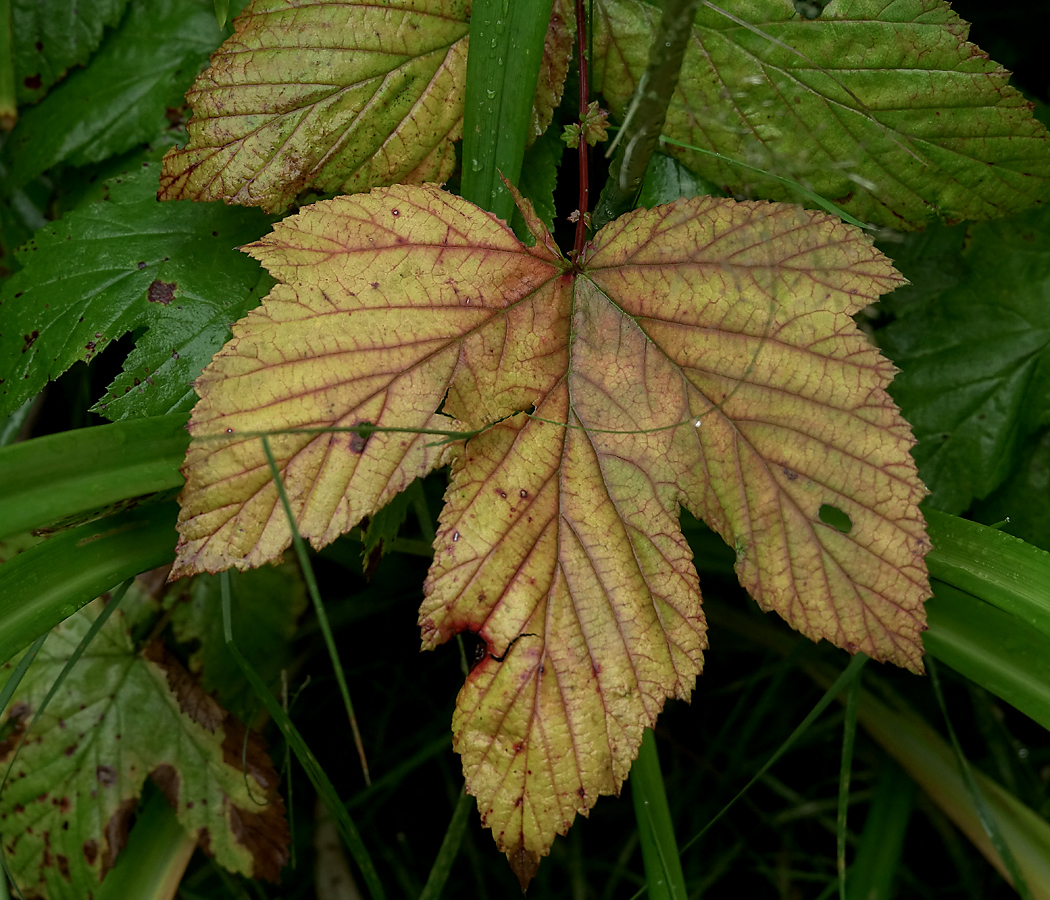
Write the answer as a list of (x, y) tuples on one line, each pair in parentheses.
[(581, 56)]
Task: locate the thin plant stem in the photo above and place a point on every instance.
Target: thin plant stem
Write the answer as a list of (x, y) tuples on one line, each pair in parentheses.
[(652, 96), (315, 596), (849, 734), (584, 147)]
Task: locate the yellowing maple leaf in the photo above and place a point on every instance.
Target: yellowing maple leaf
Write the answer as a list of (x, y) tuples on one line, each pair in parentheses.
[(700, 354)]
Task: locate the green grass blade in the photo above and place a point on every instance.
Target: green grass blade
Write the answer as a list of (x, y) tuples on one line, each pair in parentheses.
[(322, 784), (663, 866), (849, 734), (815, 198), (997, 567), (506, 46), (991, 647), (45, 479), (315, 596), (449, 849), (51, 581), (20, 670), (151, 866), (980, 805), (879, 851)]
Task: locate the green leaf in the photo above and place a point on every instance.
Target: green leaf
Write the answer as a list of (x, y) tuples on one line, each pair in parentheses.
[(884, 108), (122, 716), (119, 100), (539, 178), (975, 358), (52, 36), (1023, 500), (667, 179), (268, 602), (382, 529), (121, 264), (337, 96)]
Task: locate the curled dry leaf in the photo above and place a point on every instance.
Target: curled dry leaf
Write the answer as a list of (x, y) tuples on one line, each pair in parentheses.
[(701, 354)]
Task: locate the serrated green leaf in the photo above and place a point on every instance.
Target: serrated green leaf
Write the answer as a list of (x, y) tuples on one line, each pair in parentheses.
[(119, 717), (267, 602), (121, 264), (381, 530), (52, 36), (975, 359), (119, 100), (884, 108)]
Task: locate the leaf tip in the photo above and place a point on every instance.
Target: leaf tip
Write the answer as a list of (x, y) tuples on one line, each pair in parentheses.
[(524, 864)]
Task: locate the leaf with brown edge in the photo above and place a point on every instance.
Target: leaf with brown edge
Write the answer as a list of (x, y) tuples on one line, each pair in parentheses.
[(554, 66), (702, 354), (119, 717)]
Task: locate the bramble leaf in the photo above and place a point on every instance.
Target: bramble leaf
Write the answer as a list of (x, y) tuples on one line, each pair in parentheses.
[(265, 604), (974, 349), (119, 100), (702, 355), (883, 107), (52, 36), (119, 717), (338, 96), (127, 262)]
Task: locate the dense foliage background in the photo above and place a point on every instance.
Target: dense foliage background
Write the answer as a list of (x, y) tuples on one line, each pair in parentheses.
[(757, 683)]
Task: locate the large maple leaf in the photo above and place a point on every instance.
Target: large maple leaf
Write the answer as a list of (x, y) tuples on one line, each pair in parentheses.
[(700, 354)]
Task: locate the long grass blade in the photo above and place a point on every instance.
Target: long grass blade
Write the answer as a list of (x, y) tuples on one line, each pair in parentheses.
[(315, 596), (449, 849), (322, 784), (849, 734), (980, 804), (663, 866)]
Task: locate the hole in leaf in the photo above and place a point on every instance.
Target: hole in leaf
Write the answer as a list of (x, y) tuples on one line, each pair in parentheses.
[(836, 518)]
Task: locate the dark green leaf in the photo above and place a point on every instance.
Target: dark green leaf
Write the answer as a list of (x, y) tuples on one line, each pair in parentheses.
[(119, 717), (539, 178), (381, 530), (667, 179), (119, 100), (976, 358), (121, 264), (52, 36), (1024, 498), (268, 602)]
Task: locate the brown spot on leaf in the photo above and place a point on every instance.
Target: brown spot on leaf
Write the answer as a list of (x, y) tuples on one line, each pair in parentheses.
[(791, 476), (32, 82), (63, 866), (90, 852), (29, 340), (161, 292), (266, 837), (358, 441), (116, 833), (167, 779), (194, 701), (16, 721), (106, 775), (257, 761)]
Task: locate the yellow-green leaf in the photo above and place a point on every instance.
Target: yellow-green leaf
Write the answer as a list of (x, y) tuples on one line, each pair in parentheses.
[(337, 96), (701, 355)]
